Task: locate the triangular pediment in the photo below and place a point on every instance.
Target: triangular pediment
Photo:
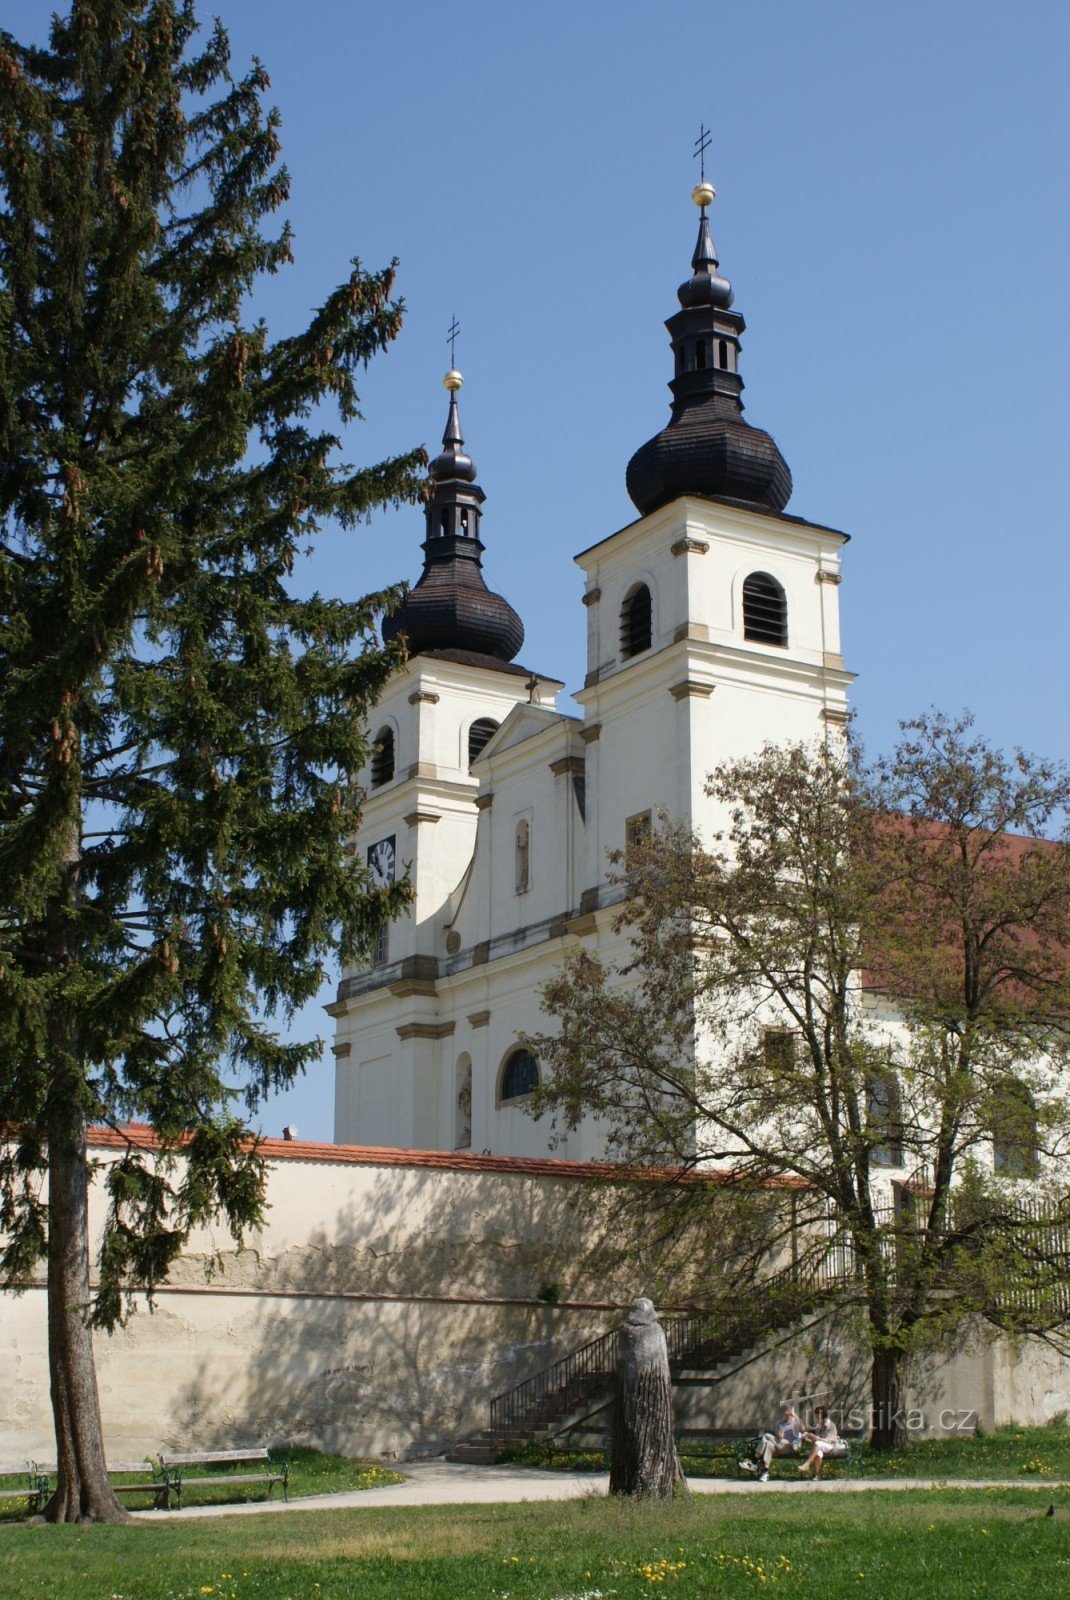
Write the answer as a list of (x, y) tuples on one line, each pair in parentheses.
[(523, 722)]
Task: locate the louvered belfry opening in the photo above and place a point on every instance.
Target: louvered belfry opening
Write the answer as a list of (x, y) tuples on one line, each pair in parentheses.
[(635, 616), (480, 734), (765, 610), (383, 758)]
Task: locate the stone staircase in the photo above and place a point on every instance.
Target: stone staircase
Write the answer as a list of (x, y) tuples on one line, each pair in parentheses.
[(582, 1382)]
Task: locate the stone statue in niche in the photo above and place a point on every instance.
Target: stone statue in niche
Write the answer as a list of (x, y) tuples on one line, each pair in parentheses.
[(523, 857), (464, 1111)]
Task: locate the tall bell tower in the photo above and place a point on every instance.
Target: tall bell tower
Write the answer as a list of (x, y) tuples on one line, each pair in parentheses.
[(713, 620)]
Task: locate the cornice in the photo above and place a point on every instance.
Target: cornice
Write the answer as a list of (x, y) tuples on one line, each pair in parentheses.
[(705, 659), (704, 519)]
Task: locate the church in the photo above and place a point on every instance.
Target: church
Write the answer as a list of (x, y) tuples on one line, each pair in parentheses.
[(712, 629), (442, 1255)]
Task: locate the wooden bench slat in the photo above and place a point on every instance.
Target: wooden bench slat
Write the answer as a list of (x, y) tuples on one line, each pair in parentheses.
[(208, 1458), (235, 1477)]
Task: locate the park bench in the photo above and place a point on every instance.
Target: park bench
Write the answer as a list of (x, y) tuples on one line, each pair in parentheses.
[(854, 1453), (176, 1467), (147, 1476), (34, 1489)]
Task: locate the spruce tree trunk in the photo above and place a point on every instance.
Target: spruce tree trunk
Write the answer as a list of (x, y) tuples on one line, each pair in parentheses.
[(83, 1493), (889, 1414), (644, 1460)]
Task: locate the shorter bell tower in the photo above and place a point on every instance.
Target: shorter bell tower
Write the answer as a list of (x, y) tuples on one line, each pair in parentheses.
[(393, 1082)]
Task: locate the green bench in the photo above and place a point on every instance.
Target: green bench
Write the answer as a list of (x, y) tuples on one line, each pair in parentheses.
[(176, 1468), (147, 1475), (853, 1454), (34, 1489)]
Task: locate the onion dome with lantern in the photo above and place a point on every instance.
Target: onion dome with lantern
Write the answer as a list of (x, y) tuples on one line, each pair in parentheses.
[(706, 449), (450, 611)]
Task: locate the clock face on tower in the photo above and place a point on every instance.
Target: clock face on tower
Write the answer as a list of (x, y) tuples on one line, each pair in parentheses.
[(381, 863)]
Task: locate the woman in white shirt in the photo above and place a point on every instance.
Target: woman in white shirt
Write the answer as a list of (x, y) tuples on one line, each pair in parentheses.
[(824, 1441)]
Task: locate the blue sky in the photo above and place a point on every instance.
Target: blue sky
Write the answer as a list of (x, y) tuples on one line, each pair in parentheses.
[(893, 213)]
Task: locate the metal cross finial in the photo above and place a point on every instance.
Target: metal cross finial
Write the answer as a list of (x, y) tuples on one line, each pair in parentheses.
[(451, 340), (702, 144)]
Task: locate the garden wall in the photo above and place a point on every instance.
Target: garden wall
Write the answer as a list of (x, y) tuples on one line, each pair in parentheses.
[(387, 1298)]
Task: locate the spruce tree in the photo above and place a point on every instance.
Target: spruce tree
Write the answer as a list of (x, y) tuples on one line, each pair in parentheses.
[(180, 730)]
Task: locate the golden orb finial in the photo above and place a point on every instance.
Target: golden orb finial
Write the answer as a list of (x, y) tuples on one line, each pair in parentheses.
[(704, 194), (453, 380)]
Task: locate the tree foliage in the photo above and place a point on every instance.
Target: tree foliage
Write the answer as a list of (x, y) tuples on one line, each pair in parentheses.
[(180, 729), (860, 984)]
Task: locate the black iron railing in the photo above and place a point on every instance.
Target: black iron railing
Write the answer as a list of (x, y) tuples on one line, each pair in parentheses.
[(557, 1388)]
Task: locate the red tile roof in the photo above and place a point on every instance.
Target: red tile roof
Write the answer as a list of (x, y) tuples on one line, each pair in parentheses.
[(141, 1136)]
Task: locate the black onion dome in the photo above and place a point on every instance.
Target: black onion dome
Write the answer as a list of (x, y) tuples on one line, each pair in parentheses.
[(707, 449), (451, 608)]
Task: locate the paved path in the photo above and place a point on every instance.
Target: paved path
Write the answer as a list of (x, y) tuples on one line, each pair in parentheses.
[(445, 1483)]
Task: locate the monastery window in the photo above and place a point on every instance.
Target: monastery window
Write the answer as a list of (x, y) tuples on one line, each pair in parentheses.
[(1013, 1122), (520, 1076), (383, 758), (637, 831), (635, 622), (480, 734), (884, 1112), (778, 1049), (765, 610), (523, 856)]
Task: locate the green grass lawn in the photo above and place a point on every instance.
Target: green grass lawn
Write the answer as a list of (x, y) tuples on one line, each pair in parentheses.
[(934, 1544), (311, 1472), (1041, 1454)]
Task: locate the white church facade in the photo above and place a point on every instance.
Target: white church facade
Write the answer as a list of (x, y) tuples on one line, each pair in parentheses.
[(712, 629)]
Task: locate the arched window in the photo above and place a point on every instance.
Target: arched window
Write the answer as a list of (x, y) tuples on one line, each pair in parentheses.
[(765, 610), (700, 356), (520, 1075), (723, 353), (1013, 1122), (635, 616), (480, 734), (884, 1111), (444, 522), (383, 758), (523, 856)]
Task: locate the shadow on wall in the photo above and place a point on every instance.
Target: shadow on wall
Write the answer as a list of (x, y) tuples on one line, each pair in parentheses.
[(395, 1376)]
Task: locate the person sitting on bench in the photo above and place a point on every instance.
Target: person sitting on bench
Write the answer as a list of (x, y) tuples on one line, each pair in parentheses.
[(825, 1441), (784, 1441)]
